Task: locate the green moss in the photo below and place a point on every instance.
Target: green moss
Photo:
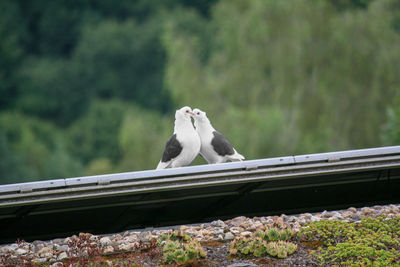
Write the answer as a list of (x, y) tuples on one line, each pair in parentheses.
[(372, 242), (179, 248), (272, 242)]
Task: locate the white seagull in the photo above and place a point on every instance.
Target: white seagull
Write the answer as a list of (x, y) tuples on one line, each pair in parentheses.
[(215, 148), (184, 145)]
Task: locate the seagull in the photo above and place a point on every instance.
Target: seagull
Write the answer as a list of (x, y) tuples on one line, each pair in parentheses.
[(215, 148), (184, 145)]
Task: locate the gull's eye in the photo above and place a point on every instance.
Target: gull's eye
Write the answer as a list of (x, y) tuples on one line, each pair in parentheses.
[(187, 111), (198, 113)]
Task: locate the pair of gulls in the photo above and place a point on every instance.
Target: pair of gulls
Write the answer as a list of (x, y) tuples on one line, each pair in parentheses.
[(187, 142)]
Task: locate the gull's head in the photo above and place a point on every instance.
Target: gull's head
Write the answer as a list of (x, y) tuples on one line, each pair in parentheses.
[(199, 115), (184, 113)]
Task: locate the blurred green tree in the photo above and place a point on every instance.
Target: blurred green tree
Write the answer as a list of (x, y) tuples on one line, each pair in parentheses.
[(329, 73), (13, 167), (142, 138), (99, 166), (50, 89), (126, 61), (10, 53), (31, 149), (112, 60), (95, 134), (350, 4), (391, 130)]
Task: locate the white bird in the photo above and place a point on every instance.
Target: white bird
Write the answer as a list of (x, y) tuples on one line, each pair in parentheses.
[(215, 148), (184, 145)]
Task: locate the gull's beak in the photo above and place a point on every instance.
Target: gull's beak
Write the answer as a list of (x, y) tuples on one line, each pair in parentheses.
[(191, 113)]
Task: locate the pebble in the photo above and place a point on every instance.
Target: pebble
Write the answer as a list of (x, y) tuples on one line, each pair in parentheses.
[(220, 238), (218, 223), (352, 209), (236, 230), (21, 251), (367, 211), (237, 221), (315, 219), (267, 220), (337, 214), (218, 231), (4, 250), (54, 251), (229, 236), (39, 260), (58, 241), (347, 214), (127, 247), (326, 214), (62, 248), (291, 219), (13, 246), (191, 232), (108, 249), (45, 250), (246, 233), (62, 256), (133, 238), (105, 241), (38, 247), (47, 255), (85, 235), (242, 265), (394, 208), (117, 237)]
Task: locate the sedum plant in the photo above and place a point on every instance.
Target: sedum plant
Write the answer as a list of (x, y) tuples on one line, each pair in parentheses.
[(372, 242), (179, 248), (274, 242)]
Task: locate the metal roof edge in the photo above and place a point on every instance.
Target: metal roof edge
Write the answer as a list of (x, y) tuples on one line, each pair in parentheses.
[(348, 154), (242, 165)]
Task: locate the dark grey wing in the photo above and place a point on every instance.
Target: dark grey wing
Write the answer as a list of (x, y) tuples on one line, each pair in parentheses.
[(172, 149), (221, 145)]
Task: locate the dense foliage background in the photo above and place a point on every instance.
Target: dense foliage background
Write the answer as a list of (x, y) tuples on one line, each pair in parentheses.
[(90, 87)]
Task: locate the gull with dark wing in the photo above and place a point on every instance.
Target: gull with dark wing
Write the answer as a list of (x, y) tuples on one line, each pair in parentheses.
[(215, 148), (184, 145)]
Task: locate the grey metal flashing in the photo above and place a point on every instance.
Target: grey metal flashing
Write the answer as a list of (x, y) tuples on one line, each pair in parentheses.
[(29, 187), (244, 165), (349, 154), (154, 181), (149, 174)]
